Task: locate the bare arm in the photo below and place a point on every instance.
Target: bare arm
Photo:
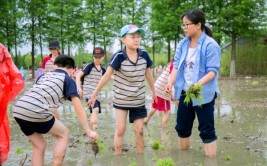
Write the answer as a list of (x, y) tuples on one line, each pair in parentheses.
[(207, 78), (150, 81), (83, 117), (171, 80), (78, 83), (104, 79)]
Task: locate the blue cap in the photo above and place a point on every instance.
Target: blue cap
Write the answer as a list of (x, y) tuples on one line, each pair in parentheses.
[(129, 29)]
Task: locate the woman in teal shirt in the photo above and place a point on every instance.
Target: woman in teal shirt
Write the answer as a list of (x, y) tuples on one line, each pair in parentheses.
[(196, 61)]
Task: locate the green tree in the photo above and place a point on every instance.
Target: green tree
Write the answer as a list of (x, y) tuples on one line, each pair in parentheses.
[(166, 26), (66, 23), (241, 19), (11, 32), (28, 61)]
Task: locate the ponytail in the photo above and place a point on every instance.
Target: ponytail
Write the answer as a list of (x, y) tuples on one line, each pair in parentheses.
[(208, 31)]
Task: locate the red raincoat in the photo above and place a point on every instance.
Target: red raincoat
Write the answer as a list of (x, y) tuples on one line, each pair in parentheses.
[(11, 83)]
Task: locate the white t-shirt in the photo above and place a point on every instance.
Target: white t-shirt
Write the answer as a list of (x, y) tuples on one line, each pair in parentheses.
[(189, 67)]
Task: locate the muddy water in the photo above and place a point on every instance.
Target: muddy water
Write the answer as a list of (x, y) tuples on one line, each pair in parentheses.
[(241, 123)]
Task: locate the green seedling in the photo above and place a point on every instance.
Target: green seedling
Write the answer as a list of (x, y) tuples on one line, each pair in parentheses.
[(155, 145), (228, 157), (255, 83), (193, 92), (98, 146), (19, 150), (89, 161), (165, 162), (133, 164), (161, 147)]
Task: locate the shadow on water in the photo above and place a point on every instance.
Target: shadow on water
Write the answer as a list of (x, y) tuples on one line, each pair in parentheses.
[(240, 117)]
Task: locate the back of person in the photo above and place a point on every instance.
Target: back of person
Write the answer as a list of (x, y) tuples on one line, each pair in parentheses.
[(37, 105), (162, 81), (48, 64)]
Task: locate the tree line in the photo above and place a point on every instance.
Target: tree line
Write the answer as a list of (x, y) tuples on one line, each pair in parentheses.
[(78, 22)]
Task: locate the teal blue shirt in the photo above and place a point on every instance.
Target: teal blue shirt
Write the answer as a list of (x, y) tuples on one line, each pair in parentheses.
[(208, 59)]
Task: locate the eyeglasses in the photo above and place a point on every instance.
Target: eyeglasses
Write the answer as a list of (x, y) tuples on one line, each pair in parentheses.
[(185, 26)]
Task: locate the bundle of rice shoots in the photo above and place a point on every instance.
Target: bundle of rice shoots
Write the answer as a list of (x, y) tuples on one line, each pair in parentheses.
[(193, 92), (95, 148)]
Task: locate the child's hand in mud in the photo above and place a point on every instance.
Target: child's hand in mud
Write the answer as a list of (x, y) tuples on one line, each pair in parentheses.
[(93, 135)]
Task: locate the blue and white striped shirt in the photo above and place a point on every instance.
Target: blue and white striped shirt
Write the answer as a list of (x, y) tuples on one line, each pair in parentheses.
[(47, 93), (129, 79)]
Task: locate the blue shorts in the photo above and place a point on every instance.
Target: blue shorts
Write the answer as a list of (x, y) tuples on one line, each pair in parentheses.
[(186, 116), (134, 112), (96, 105), (28, 128)]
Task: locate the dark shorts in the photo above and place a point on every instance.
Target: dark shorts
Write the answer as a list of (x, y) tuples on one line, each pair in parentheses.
[(28, 128), (205, 115), (135, 112), (96, 105)]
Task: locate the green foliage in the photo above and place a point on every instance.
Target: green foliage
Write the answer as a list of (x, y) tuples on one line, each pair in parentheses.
[(193, 92), (160, 59), (38, 61), (28, 60), (155, 145), (101, 145), (19, 150), (225, 63), (250, 59), (133, 164), (76, 22), (82, 57), (165, 162)]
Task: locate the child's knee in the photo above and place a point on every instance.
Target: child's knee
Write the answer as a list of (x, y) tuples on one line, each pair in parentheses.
[(139, 130), (64, 134), (41, 146), (120, 131)]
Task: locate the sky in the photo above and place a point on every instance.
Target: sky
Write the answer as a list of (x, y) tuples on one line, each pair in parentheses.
[(89, 47)]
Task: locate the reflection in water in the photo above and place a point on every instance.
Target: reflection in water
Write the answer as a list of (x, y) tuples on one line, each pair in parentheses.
[(210, 161)]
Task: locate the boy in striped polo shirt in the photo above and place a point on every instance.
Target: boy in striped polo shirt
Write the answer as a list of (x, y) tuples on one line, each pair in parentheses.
[(34, 110), (131, 66), (91, 74)]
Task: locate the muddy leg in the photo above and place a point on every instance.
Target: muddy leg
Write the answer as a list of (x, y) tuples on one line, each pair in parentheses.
[(39, 145), (210, 149), (94, 119), (139, 135), (185, 143), (61, 133), (165, 118), (121, 116), (149, 115)]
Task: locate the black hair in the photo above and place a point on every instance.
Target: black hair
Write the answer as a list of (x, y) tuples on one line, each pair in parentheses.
[(65, 62), (197, 16)]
